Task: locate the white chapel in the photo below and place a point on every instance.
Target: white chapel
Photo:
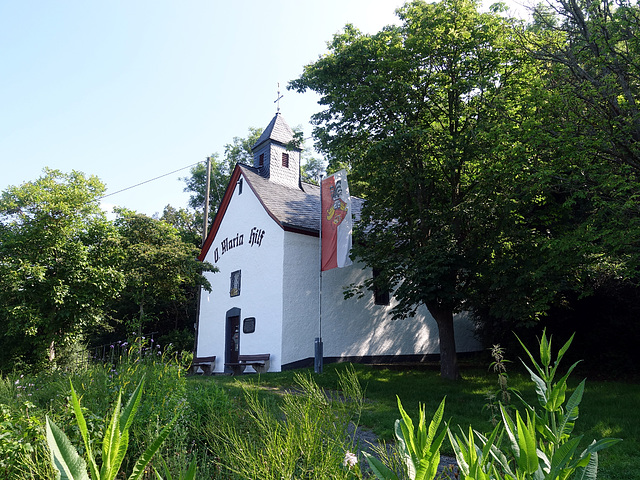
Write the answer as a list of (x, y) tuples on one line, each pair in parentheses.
[(265, 305)]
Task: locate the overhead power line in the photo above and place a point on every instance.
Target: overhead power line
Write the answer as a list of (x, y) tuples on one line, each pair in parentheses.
[(151, 180)]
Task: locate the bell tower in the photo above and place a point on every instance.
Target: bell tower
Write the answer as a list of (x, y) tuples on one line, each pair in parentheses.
[(273, 159)]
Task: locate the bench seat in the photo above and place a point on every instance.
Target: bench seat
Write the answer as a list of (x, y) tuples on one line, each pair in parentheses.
[(203, 365), (259, 362)]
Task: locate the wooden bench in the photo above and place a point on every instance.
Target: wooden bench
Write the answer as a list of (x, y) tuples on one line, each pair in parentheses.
[(259, 362), (203, 365)]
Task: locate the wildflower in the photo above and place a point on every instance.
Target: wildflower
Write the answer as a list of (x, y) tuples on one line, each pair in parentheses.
[(350, 460)]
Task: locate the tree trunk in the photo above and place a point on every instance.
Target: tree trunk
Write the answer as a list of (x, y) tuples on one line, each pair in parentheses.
[(52, 351), (448, 355)]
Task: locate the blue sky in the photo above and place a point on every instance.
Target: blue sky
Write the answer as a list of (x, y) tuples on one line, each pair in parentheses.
[(128, 90)]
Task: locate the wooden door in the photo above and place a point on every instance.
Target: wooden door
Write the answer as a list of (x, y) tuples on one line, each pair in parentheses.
[(232, 345)]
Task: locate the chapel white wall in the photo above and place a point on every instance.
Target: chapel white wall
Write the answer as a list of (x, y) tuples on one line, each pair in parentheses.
[(301, 296), (357, 327), (260, 296)]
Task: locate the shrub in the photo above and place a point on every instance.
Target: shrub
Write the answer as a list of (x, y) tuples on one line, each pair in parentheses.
[(537, 444), (70, 464)]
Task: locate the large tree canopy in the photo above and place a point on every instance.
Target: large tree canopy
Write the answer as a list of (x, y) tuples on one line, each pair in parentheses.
[(57, 264), (415, 111), (588, 124), (159, 267), (593, 50)]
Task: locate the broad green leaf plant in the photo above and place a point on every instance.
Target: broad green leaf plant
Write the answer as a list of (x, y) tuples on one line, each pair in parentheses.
[(473, 462), (538, 445), (69, 465), (420, 447)]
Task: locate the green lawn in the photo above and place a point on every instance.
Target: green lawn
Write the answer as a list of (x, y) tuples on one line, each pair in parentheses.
[(608, 409)]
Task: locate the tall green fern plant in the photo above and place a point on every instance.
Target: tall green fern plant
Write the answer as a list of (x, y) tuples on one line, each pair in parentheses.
[(69, 465)]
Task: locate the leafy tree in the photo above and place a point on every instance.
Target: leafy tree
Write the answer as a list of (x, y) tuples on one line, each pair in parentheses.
[(581, 177), (158, 266), (57, 265), (239, 150), (186, 222), (197, 185), (593, 52), (591, 123), (311, 170), (414, 111)]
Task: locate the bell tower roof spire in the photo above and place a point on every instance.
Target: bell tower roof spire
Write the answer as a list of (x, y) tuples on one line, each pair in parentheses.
[(274, 155), (277, 131)]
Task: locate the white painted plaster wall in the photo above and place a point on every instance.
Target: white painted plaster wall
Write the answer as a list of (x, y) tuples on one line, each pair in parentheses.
[(261, 287), (358, 327), (353, 327), (301, 296)]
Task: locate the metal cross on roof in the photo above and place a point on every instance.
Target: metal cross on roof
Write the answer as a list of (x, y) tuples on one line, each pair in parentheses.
[(277, 100)]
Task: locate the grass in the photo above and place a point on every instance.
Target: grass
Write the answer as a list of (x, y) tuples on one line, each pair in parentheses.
[(608, 409), (212, 405)]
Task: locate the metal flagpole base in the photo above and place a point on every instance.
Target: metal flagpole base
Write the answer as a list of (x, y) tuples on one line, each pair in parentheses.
[(318, 360)]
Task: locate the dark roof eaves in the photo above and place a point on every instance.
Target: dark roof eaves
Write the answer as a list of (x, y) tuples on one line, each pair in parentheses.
[(288, 227)]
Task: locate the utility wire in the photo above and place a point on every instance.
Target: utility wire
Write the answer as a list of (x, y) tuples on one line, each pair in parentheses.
[(151, 180)]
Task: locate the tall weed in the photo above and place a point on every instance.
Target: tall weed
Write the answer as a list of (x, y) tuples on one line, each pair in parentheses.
[(537, 444), (306, 436), (97, 385), (22, 443)]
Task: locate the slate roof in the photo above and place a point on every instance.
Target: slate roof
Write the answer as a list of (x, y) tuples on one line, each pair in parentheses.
[(293, 208), (277, 131)]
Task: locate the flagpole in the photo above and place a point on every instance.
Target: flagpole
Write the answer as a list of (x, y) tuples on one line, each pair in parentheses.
[(318, 361)]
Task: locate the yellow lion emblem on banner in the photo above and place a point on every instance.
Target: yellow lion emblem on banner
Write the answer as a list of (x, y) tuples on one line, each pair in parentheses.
[(338, 210)]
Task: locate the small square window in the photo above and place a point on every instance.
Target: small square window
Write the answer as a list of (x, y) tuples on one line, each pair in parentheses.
[(249, 325), (240, 187), (261, 160), (285, 160), (235, 284)]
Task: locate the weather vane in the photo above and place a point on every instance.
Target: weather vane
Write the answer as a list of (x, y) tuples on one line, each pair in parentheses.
[(277, 100)]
